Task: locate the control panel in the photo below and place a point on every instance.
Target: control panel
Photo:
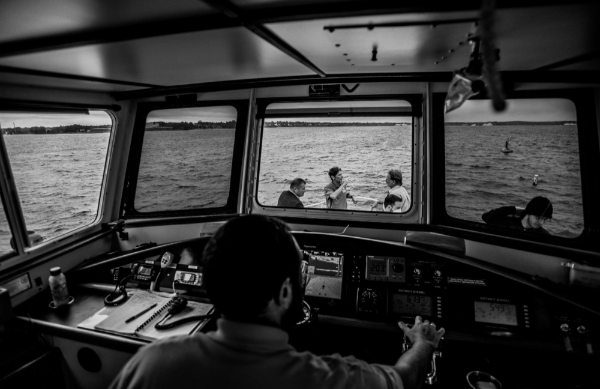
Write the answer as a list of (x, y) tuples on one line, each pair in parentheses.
[(164, 271), (379, 287)]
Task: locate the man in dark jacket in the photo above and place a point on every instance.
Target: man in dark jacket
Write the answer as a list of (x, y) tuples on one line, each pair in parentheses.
[(291, 198), (537, 211)]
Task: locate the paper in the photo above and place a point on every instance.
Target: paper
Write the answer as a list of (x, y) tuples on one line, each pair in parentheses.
[(115, 319)]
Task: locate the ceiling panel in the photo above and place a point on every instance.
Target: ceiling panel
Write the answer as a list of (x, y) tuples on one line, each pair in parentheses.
[(414, 48), (28, 19), (205, 56), (556, 33)]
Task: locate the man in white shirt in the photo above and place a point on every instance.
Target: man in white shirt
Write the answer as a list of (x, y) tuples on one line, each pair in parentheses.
[(394, 182)]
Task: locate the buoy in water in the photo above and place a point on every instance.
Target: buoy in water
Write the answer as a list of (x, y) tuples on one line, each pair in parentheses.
[(535, 179)]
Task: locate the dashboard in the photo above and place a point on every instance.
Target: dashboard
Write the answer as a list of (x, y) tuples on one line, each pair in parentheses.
[(376, 286), (377, 282), (358, 289)]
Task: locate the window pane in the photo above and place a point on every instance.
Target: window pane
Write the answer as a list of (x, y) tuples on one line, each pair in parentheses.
[(507, 159), (365, 148), (186, 159), (5, 234), (58, 164)]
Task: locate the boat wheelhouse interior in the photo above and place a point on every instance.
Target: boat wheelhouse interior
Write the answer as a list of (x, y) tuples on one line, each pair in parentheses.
[(131, 131)]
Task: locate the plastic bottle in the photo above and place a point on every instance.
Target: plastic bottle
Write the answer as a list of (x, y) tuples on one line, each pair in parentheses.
[(58, 287)]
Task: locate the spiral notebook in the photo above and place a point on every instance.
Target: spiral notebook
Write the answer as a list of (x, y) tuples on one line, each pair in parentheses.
[(139, 314)]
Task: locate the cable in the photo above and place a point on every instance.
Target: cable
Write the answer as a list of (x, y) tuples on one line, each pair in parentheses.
[(119, 295)]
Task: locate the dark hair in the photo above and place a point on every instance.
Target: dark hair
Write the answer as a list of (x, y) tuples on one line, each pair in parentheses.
[(391, 200), (396, 175), (334, 171), (245, 263), (296, 182), (539, 206)]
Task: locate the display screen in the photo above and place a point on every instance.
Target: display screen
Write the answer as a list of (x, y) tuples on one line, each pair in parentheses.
[(411, 304), (325, 274), (376, 268), (144, 270), (495, 313)]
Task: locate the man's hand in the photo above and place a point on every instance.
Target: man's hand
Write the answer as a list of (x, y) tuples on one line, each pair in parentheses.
[(422, 331)]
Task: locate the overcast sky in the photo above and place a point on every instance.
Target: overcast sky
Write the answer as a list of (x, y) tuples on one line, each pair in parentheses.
[(472, 110), (543, 110)]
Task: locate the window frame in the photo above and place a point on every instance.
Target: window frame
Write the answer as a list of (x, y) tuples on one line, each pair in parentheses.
[(10, 196), (127, 208), (358, 218), (589, 156)]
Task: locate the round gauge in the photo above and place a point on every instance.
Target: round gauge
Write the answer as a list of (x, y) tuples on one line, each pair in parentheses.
[(166, 259)]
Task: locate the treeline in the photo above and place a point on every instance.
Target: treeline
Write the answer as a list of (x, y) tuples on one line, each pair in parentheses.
[(69, 129), (166, 126), (325, 124), (511, 123)]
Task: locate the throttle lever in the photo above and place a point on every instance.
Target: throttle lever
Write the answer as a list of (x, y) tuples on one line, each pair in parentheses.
[(431, 377)]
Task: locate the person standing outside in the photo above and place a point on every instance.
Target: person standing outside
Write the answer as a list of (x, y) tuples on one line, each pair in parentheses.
[(394, 182), (392, 203), (336, 192), (291, 198)]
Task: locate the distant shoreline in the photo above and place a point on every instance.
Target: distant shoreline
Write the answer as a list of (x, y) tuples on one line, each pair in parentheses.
[(512, 123), (79, 129)]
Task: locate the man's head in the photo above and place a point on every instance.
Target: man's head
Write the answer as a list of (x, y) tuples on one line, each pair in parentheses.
[(335, 173), (298, 186), (392, 203), (393, 178), (252, 264), (538, 210)]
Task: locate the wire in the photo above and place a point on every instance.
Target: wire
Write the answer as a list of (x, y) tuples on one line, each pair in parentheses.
[(160, 326)]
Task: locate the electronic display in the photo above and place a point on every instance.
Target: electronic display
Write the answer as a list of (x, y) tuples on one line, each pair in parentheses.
[(376, 268), (144, 270), (325, 271), (411, 304), (495, 313)]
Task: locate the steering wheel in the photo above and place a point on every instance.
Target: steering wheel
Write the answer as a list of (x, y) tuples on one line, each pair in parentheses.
[(307, 315)]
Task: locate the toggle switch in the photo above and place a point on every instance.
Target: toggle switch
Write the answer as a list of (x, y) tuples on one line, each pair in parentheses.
[(566, 331)]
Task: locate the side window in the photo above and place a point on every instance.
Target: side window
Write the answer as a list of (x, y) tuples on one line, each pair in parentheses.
[(367, 145), (186, 160), (516, 170), (57, 160)]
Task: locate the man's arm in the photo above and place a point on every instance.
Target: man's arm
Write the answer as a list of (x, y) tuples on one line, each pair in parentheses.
[(413, 365), (334, 194)]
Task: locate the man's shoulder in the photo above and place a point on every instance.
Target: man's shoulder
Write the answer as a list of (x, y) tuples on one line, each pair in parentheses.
[(285, 193), (398, 190)]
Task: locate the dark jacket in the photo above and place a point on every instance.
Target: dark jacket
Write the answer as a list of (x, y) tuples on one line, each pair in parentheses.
[(289, 200), (508, 217)]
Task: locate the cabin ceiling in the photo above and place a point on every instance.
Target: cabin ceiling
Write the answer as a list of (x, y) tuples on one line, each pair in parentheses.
[(119, 46)]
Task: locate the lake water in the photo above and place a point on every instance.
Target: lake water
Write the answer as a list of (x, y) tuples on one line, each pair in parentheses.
[(364, 153), (58, 176), (480, 177)]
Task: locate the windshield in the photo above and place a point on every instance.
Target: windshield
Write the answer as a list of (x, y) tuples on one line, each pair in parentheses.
[(337, 156)]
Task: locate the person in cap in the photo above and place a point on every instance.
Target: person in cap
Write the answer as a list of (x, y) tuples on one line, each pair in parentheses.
[(531, 219)]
